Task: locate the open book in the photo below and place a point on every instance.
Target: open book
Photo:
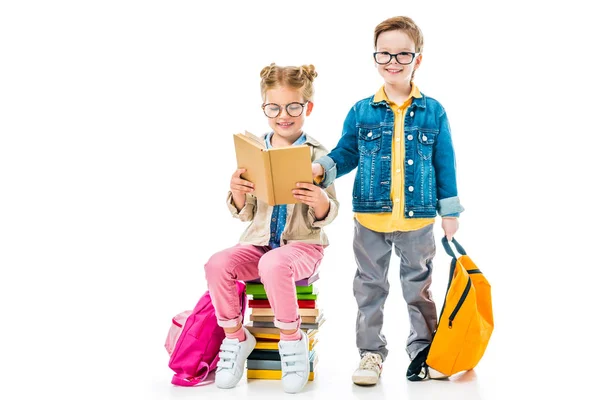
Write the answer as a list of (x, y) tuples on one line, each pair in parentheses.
[(273, 171)]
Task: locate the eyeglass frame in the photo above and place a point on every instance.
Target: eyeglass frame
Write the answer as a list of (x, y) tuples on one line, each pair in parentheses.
[(286, 108), (392, 56)]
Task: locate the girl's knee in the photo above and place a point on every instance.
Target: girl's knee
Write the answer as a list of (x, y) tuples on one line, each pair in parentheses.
[(217, 265), (272, 269)]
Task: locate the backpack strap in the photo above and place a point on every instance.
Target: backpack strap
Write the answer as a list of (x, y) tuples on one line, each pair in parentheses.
[(459, 248)]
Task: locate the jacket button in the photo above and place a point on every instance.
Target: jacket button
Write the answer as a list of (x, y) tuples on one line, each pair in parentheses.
[(410, 213), (410, 188), (409, 137), (424, 138), (410, 162), (369, 134), (412, 113)]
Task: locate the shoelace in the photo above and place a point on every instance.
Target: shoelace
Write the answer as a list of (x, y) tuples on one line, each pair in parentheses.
[(369, 362), (227, 355)]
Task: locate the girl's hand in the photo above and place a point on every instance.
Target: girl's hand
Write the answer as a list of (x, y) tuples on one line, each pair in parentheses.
[(239, 187), (450, 226), (314, 197)]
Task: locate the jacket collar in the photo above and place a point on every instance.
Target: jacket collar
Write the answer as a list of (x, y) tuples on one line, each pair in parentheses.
[(381, 98)]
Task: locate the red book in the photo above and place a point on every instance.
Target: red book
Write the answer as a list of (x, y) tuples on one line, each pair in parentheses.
[(265, 303)]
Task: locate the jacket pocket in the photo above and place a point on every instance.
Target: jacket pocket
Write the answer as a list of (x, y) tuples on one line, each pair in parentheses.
[(369, 140), (426, 140)]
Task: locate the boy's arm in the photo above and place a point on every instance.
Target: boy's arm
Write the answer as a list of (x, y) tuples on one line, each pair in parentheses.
[(247, 212), (331, 214), (344, 157), (444, 164)]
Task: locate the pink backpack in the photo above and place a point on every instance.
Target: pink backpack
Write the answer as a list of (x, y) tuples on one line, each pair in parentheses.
[(194, 340)]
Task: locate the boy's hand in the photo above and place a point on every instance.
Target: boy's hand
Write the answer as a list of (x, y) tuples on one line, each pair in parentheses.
[(314, 197), (317, 171), (239, 187), (450, 226)]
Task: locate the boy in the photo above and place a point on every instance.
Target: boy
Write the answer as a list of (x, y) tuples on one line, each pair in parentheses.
[(400, 141)]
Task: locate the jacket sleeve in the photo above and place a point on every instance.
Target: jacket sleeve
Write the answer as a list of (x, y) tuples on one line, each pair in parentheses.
[(444, 163), (333, 210), (344, 157), (247, 212)]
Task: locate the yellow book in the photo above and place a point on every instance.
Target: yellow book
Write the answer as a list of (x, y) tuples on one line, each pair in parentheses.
[(274, 344), (270, 374), (273, 171)]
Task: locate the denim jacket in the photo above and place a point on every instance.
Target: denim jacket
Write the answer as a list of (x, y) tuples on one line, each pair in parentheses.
[(429, 162), (301, 223)]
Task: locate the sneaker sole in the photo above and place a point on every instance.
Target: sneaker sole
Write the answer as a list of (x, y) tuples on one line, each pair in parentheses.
[(365, 380)]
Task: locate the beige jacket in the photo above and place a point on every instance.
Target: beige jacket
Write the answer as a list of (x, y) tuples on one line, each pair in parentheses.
[(300, 225)]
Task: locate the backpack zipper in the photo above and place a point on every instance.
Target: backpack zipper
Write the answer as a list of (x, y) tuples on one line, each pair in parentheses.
[(463, 297)]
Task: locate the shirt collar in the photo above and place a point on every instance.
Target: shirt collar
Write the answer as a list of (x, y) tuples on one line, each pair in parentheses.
[(299, 141), (381, 96)]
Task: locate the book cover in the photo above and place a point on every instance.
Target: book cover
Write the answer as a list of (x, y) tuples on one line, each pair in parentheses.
[(275, 365), (259, 288), (301, 282), (274, 171), (266, 304), (271, 344), (272, 333), (303, 312), (265, 355), (304, 325), (269, 318), (270, 374), (299, 296)]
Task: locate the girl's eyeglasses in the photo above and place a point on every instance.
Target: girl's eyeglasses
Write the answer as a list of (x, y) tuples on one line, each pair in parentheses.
[(273, 110)]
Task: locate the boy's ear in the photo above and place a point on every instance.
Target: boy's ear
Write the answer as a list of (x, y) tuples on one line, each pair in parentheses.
[(309, 107), (418, 61)]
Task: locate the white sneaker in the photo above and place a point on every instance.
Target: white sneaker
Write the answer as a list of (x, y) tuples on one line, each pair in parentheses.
[(232, 360), (368, 370), (295, 366)]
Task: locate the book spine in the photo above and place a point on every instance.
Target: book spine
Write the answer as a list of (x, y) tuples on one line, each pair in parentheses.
[(269, 177)]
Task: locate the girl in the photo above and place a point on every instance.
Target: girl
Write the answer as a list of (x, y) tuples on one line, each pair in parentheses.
[(281, 245)]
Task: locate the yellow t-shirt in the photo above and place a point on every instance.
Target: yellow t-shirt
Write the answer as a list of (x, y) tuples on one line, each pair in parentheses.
[(395, 221)]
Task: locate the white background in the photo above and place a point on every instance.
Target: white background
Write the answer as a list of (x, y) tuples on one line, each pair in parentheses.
[(116, 123)]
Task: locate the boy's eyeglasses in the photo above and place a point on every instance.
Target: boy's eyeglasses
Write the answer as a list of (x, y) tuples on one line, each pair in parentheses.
[(403, 58), (273, 110)]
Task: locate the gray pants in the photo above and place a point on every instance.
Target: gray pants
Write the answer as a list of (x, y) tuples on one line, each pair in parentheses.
[(372, 251)]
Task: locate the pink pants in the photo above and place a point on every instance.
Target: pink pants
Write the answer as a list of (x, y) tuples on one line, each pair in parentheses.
[(278, 270)]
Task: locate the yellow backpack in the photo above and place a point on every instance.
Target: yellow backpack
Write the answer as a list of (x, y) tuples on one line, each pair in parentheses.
[(466, 321)]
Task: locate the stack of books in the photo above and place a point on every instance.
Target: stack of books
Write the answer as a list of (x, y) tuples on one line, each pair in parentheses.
[(264, 362)]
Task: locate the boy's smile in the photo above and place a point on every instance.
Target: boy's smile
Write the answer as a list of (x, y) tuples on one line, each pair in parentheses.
[(394, 70)]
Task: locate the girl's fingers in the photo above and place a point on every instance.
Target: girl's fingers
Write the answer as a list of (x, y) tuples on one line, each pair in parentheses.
[(240, 188), (306, 186), (242, 182)]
